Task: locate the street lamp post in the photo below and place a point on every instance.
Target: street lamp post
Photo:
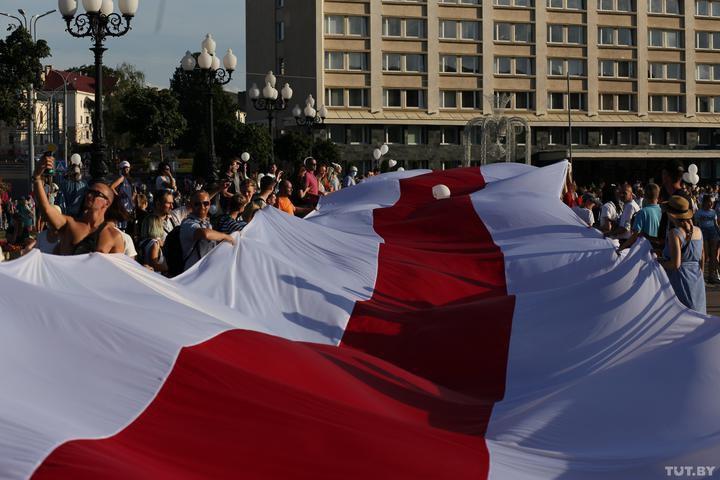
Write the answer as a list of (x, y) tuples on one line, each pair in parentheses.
[(97, 23), (309, 117), (270, 102), (206, 69)]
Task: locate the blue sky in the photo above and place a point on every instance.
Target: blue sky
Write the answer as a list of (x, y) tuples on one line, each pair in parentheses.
[(157, 41)]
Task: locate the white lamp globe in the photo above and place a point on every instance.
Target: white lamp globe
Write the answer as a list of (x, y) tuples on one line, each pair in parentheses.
[(215, 63), (128, 7), (310, 101), (188, 62), (254, 92), (309, 111), (323, 112), (296, 111), (245, 156), (286, 92), (209, 44), (270, 78), (230, 61), (205, 60), (92, 6), (67, 7), (107, 7), (268, 91)]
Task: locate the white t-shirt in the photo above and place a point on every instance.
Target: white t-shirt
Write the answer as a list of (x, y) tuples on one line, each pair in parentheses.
[(129, 245), (585, 214), (629, 211), (608, 211)]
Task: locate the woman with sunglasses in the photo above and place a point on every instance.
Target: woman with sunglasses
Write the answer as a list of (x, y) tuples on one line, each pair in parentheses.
[(86, 233)]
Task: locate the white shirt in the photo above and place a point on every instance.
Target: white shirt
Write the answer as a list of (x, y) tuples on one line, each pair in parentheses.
[(608, 211), (129, 245), (585, 214), (629, 210)]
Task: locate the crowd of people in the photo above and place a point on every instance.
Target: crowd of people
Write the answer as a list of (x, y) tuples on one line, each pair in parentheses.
[(677, 216), (165, 224)]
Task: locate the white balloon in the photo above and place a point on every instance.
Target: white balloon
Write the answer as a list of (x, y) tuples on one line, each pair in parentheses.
[(245, 156), (692, 169), (392, 163), (440, 192), (377, 154), (400, 169), (691, 178), (384, 149)]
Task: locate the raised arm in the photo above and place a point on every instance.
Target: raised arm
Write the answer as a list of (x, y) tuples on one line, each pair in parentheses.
[(117, 183), (54, 218)]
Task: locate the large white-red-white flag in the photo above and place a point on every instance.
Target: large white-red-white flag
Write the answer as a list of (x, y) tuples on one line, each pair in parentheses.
[(391, 335)]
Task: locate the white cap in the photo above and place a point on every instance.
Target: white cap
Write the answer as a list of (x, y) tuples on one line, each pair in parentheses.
[(353, 168), (124, 164)]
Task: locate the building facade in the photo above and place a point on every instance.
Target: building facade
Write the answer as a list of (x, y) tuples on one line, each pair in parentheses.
[(638, 79)]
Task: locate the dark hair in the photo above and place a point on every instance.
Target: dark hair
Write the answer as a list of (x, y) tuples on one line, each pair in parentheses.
[(162, 167), (674, 168), (237, 202), (116, 212), (267, 182)]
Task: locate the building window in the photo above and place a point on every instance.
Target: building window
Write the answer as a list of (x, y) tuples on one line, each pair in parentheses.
[(666, 103), (448, 99), (449, 136), (572, 34), (415, 135), (392, 27), (334, 97), (415, 28), (448, 29), (358, 134), (667, 7), (706, 8), (415, 98), (559, 66), (556, 101), (334, 60), (470, 30), (616, 36), (620, 102), (566, 4), (617, 68), (518, 100), (514, 66), (470, 64), (665, 38), (556, 136), (392, 98), (414, 63), (392, 62), (616, 5), (704, 104), (448, 64), (358, 26), (707, 40), (394, 134), (357, 61), (357, 97), (334, 25), (336, 133), (513, 32), (470, 99)]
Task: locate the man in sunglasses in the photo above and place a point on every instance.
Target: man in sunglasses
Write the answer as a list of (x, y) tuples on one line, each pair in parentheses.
[(86, 233), (197, 236)]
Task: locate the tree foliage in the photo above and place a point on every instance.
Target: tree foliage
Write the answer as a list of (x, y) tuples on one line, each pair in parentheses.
[(20, 68), (233, 138), (326, 151), (150, 116), (293, 147)]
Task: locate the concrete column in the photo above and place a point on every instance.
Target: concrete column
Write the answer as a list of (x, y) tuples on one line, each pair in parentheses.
[(690, 84), (433, 57), (376, 94), (541, 57), (488, 79), (591, 39), (642, 72)]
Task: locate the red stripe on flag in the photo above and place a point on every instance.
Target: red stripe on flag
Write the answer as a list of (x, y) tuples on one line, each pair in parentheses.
[(248, 405), (440, 307), (252, 406)]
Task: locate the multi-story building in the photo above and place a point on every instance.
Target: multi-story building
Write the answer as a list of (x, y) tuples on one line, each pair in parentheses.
[(638, 79)]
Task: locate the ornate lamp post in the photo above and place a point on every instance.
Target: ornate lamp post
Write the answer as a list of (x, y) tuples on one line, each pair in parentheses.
[(270, 101), (97, 23), (206, 70), (308, 117)]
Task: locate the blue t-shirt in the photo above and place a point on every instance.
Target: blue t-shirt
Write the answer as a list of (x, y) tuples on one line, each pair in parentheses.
[(647, 220), (706, 219)]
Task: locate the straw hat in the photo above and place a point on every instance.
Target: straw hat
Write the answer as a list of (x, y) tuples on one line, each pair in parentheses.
[(678, 207)]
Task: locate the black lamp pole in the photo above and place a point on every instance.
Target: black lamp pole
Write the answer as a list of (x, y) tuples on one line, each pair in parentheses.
[(98, 26), (270, 100)]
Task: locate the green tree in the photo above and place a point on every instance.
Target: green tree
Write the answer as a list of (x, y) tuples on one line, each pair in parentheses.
[(325, 151), (233, 138), (150, 117), (293, 147), (20, 68)]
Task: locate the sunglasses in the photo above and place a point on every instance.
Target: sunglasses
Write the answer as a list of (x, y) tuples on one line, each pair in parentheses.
[(97, 193), (204, 204)]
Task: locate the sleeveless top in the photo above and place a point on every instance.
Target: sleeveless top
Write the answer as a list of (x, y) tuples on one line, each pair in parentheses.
[(89, 243)]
